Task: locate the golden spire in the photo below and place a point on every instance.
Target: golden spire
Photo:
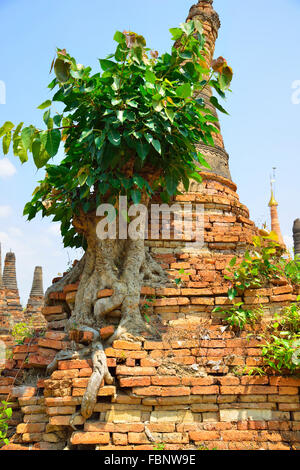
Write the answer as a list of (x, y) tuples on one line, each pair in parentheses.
[(273, 204), (273, 201)]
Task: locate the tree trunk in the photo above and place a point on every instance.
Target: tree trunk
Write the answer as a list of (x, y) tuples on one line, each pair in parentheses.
[(123, 266)]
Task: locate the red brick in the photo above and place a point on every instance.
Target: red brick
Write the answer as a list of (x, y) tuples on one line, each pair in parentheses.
[(200, 436), (248, 389), (135, 381), (288, 391), (52, 310), (175, 391), (105, 293), (210, 390), (198, 381), (121, 344), (71, 288), (123, 370), (107, 331), (147, 391), (74, 364), (238, 435), (147, 291), (229, 380), (90, 438), (165, 380), (285, 381)]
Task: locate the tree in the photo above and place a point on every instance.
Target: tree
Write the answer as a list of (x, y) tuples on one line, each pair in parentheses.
[(132, 131)]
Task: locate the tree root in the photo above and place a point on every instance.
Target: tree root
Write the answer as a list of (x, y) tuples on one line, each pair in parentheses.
[(124, 267), (100, 372)]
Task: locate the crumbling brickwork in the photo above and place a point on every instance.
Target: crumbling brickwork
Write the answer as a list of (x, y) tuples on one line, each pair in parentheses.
[(187, 387)]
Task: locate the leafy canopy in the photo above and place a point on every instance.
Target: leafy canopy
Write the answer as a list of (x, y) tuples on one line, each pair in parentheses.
[(130, 130)]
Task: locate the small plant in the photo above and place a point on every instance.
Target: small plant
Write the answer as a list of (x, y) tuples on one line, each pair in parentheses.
[(159, 446), (254, 371), (5, 415), (238, 317), (292, 269), (288, 320), (204, 447), (282, 352), (8, 354), (258, 267), (147, 305), (21, 331), (178, 281)]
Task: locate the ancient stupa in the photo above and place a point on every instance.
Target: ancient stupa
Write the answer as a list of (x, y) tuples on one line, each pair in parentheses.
[(11, 310)]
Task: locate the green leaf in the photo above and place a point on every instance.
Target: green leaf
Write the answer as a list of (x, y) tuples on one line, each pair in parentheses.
[(172, 183), (82, 178), (44, 105), (188, 27), (6, 143), (217, 105), (99, 141), (17, 130), (150, 77), (85, 134), (57, 120), (119, 37), (184, 91), (26, 136), (202, 161), (142, 149), (130, 115), (170, 113), (116, 84), (157, 145), (40, 155), (114, 137), (132, 103), (107, 65), (8, 412), (51, 141), (198, 26), (62, 70), (176, 33), (121, 116), (232, 293), (186, 55), (157, 105), (7, 126)]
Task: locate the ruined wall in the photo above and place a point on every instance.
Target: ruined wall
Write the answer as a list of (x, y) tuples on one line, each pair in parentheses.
[(187, 389), (184, 393)]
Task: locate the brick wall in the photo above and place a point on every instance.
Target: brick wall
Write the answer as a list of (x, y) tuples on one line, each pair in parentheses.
[(183, 393)]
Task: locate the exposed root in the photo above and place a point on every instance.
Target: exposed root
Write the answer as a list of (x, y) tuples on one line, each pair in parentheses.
[(152, 273), (100, 373), (123, 266)]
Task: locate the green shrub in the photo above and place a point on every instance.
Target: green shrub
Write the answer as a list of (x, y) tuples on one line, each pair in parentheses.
[(238, 317), (258, 267), (5, 415)]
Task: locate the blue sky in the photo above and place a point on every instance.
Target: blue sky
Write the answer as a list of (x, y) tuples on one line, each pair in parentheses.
[(260, 41)]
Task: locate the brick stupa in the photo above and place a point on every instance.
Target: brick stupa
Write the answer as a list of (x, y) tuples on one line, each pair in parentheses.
[(188, 390)]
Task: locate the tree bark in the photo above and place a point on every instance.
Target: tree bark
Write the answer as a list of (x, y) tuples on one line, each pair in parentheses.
[(123, 266)]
